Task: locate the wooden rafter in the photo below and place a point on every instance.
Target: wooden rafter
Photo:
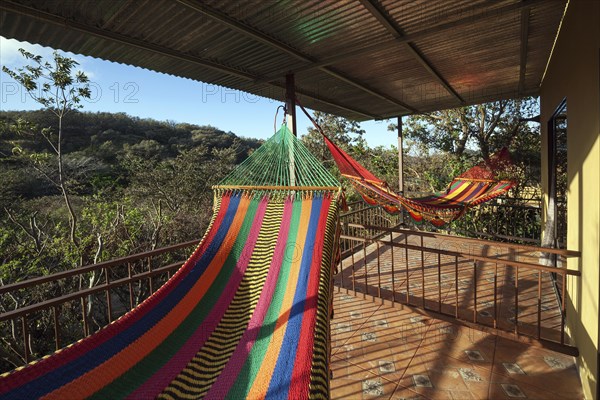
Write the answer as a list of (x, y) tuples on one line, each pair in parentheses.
[(471, 15), (388, 22), (257, 35), (162, 50), (523, 54)]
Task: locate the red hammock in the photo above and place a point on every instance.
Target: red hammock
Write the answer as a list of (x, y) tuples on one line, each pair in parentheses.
[(475, 186)]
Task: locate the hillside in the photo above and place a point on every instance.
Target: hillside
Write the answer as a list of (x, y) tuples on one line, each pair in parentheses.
[(99, 145), (133, 184)]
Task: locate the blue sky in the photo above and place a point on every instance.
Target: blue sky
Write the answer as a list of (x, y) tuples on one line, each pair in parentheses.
[(148, 94)]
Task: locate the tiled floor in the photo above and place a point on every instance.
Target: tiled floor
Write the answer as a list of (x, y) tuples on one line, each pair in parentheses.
[(380, 351)]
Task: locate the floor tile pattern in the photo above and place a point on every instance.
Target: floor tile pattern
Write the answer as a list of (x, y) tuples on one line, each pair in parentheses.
[(392, 352)]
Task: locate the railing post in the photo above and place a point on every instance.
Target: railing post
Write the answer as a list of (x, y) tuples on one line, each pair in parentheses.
[(539, 306), (456, 285), (25, 331), (400, 162), (407, 270), (475, 291), (150, 285), (56, 328), (352, 271), (341, 268), (423, 273), (366, 291), (440, 282), (393, 272), (129, 275), (108, 298), (495, 295), (378, 271), (563, 306), (86, 329), (517, 301)]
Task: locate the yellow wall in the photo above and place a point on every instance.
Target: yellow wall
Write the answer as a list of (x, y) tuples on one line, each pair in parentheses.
[(574, 73)]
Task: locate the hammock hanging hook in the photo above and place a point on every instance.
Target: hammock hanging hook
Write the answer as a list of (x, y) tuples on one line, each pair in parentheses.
[(276, 113)]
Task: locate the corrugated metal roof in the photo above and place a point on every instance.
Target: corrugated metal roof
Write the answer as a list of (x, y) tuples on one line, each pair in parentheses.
[(361, 59)]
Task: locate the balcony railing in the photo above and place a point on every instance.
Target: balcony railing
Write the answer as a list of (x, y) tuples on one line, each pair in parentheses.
[(495, 220), (353, 222), (499, 286), (502, 286), (51, 311)]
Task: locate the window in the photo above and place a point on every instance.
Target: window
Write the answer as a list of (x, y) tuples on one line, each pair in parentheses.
[(557, 174)]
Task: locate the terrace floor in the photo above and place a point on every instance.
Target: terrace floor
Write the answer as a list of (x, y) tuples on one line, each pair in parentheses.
[(382, 350)]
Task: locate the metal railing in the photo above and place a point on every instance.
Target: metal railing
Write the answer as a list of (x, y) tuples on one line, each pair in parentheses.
[(61, 308), (502, 286), (514, 220), (360, 213), (504, 219), (473, 281)]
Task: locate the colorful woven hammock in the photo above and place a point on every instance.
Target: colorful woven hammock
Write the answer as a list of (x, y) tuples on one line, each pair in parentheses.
[(478, 185), (247, 316)]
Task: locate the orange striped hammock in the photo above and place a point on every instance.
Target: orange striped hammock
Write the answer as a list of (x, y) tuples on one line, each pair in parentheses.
[(475, 186)]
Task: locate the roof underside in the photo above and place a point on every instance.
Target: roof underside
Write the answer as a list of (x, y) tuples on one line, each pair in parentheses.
[(361, 59)]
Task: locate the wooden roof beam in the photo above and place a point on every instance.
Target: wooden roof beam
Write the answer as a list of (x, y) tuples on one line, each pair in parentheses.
[(385, 44), (335, 104), (40, 15), (259, 36), (331, 102), (388, 22), (123, 39), (499, 96), (523, 54)]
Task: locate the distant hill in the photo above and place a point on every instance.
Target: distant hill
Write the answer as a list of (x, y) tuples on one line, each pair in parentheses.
[(99, 150), (109, 135)]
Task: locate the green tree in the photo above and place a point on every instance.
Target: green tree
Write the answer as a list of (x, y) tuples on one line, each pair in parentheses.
[(127, 201), (484, 127), (58, 88), (343, 132), (443, 144), (451, 141), (175, 194)]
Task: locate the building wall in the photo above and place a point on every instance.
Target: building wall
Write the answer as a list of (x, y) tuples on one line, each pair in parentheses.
[(574, 73)]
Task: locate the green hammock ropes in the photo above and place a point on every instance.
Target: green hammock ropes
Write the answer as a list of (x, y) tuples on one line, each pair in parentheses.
[(282, 162)]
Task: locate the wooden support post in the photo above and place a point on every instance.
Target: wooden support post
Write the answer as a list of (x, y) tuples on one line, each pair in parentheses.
[(400, 158), (290, 103), (400, 163), (290, 106)]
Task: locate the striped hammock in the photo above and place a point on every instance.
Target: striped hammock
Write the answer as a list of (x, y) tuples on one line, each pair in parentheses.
[(246, 316), (477, 185)]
